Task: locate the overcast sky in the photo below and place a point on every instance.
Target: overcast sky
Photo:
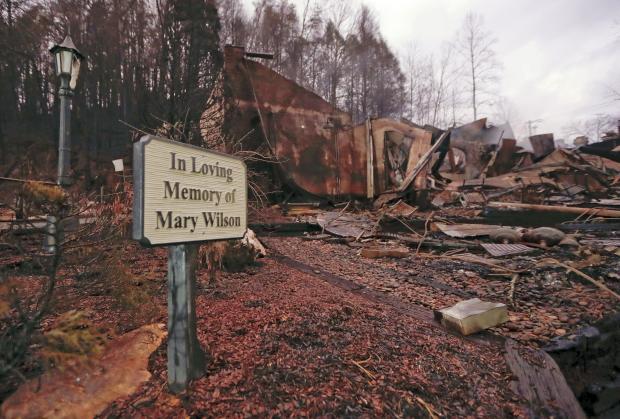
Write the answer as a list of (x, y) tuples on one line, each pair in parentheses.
[(559, 56)]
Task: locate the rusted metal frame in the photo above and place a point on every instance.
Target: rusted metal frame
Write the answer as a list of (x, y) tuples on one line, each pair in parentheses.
[(262, 121), (370, 161), (494, 156), (334, 135), (426, 158)]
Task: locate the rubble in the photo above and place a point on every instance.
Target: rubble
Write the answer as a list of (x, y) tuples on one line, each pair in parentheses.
[(505, 235), (545, 236), (438, 216), (309, 149)]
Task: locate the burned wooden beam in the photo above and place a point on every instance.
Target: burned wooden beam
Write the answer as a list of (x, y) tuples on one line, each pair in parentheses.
[(600, 212), (263, 55)]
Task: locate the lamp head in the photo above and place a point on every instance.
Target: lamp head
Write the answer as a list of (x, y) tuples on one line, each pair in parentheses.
[(67, 58)]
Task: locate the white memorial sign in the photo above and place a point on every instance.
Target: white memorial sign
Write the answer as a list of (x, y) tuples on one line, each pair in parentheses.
[(185, 194)]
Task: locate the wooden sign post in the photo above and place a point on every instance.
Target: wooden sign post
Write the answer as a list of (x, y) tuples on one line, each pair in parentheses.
[(185, 195)]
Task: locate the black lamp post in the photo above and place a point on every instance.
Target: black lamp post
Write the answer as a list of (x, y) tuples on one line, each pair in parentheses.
[(67, 58)]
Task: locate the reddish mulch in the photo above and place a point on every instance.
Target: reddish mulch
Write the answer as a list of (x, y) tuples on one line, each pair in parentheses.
[(547, 301), (285, 343)]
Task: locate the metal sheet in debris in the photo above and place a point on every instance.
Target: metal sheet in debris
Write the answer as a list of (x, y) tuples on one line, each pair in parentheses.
[(346, 225), (467, 230), (496, 249)]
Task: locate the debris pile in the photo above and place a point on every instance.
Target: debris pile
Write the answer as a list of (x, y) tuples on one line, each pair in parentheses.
[(301, 149), (536, 222), (439, 218)]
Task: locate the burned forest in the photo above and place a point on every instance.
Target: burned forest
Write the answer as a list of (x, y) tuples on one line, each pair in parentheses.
[(284, 208)]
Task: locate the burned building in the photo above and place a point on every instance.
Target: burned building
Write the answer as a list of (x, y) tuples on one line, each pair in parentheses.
[(315, 147)]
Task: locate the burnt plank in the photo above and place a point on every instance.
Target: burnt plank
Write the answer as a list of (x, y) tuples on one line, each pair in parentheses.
[(541, 383)]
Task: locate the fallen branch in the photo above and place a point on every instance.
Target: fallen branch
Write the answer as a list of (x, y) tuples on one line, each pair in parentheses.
[(452, 252), (364, 370), (432, 413), (513, 285)]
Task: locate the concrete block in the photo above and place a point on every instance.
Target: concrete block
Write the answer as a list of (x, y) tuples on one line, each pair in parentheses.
[(471, 316)]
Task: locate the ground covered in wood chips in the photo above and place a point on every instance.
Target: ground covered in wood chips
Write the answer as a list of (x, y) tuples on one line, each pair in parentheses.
[(282, 342), (315, 329), (547, 302)]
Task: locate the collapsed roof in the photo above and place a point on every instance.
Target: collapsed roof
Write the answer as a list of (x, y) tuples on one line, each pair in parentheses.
[(317, 150)]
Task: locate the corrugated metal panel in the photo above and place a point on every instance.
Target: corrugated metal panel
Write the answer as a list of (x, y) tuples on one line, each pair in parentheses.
[(496, 249)]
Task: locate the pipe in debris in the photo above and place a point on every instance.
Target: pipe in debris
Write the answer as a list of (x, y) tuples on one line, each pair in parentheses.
[(601, 212), (264, 55)]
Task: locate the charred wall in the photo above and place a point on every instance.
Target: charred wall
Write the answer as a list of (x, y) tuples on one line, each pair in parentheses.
[(312, 141)]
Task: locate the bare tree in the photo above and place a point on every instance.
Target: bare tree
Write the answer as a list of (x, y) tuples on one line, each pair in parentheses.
[(366, 30), (333, 48), (430, 87), (443, 81), (480, 63), (593, 127), (234, 26)]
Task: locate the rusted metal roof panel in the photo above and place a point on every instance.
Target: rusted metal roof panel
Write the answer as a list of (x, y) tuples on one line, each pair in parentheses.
[(312, 141), (318, 150)]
